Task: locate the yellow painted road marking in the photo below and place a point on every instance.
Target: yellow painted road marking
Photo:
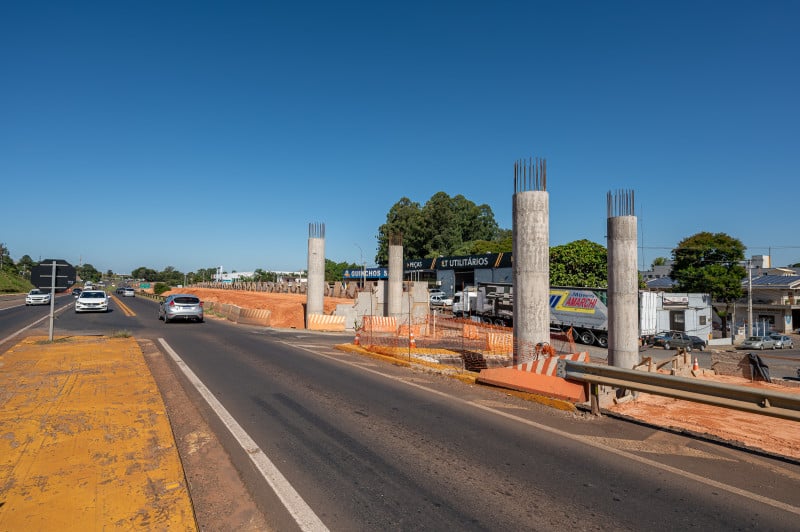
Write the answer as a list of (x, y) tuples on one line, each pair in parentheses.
[(86, 443), (125, 308)]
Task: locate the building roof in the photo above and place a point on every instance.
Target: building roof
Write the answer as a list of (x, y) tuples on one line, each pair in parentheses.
[(661, 283), (774, 281)]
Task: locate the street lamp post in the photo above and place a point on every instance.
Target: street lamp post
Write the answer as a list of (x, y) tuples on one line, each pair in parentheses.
[(363, 268)]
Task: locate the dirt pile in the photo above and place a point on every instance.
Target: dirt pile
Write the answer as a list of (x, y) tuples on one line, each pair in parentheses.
[(773, 435), (286, 310)]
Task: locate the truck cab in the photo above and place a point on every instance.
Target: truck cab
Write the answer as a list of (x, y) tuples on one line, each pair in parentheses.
[(463, 303)]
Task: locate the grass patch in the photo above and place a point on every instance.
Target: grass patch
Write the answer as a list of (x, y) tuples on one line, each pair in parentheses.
[(13, 284), (121, 334)]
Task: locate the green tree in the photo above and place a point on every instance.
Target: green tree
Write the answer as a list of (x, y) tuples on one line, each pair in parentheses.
[(26, 264), (403, 219), (580, 263), (87, 272), (148, 274), (334, 271), (658, 261), (444, 226), (262, 276), (710, 263), (171, 276)]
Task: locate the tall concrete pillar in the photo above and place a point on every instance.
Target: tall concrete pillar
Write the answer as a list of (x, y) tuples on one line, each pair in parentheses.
[(531, 268), (623, 282), (394, 299), (315, 290)]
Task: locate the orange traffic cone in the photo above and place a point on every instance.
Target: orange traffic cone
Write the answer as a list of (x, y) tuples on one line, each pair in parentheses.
[(357, 339), (411, 341), (695, 366)]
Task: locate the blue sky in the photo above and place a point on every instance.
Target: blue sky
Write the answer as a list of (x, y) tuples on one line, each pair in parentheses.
[(197, 134)]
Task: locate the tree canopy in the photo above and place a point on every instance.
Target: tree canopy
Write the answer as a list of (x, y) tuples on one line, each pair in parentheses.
[(443, 226), (579, 263), (709, 263)]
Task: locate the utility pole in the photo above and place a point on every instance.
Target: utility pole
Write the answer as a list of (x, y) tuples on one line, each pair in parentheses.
[(749, 298)]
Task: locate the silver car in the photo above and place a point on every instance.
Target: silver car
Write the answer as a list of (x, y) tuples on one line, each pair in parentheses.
[(782, 341), (758, 342), (181, 307)]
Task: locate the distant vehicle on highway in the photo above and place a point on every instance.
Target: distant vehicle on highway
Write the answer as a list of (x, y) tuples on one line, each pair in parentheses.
[(758, 342), (76, 292), (128, 292), (92, 301), (37, 297), (181, 307)]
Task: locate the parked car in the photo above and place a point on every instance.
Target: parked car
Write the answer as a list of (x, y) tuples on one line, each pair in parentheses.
[(782, 341), (435, 292), (128, 292), (673, 340), (92, 301), (181, 307), (758, 342), (698, 343), (37, 297), (441, 301)]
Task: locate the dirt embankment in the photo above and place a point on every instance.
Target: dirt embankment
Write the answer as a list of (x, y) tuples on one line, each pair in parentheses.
[(286, 310), (773, 435)]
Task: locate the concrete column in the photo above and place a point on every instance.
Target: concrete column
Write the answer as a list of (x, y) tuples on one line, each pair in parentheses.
[(623, 282), (531, 268), (394, 300), (315, 290)]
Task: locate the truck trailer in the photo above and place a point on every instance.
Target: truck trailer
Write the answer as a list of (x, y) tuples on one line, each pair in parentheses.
[(583, 309)]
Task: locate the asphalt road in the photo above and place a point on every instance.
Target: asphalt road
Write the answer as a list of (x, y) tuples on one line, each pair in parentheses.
[(366, 445)]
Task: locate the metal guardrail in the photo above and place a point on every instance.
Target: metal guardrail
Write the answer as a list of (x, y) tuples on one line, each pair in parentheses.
[(744, 398)]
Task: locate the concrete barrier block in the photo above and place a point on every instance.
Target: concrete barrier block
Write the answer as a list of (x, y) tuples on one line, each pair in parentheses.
[(324, 322)]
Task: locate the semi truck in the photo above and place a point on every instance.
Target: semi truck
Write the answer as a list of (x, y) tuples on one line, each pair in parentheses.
[(583, 309)]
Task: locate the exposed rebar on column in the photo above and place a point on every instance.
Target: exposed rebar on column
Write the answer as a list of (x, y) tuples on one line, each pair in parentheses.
[(316, 230), (530, 175), (620, 203)]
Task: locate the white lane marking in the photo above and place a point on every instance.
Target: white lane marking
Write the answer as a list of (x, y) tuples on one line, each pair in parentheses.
[(580, 439), (302, 513), (46, 317)]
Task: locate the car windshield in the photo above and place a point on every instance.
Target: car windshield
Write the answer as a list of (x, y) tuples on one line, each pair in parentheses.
[(93, 295), (34, 292)]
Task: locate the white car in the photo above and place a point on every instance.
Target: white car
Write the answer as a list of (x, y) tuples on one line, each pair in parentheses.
[(441, 301), (92, 301), (37, 297)]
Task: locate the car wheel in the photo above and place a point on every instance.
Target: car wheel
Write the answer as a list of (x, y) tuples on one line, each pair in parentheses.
[(666, 345), (166, 320), (702, 348), (688, 348)]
